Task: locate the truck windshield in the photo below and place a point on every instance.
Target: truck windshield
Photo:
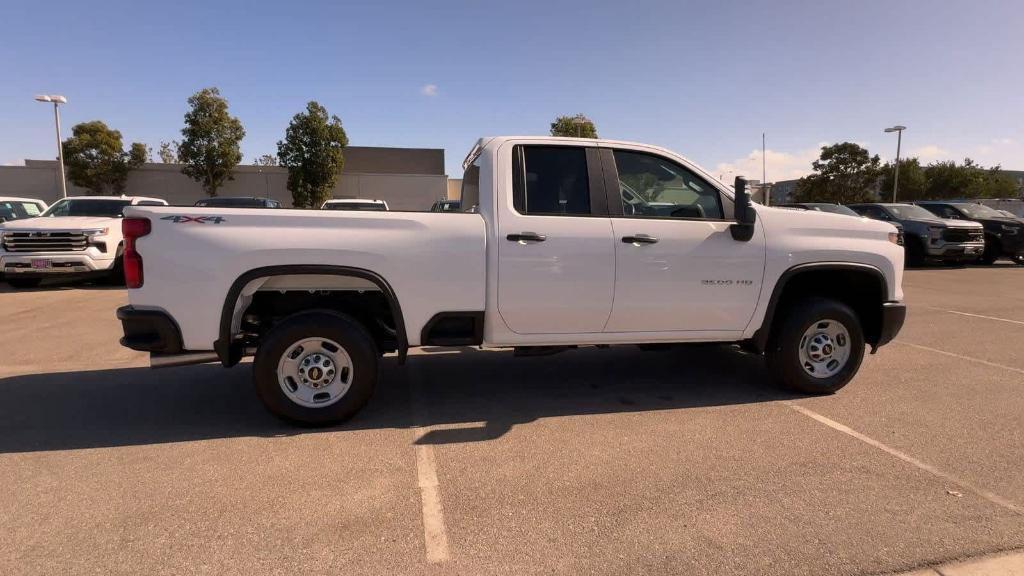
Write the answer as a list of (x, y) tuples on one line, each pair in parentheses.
[(979, 211), (364, 206), (904, 211), (833, 208), (101, 208)]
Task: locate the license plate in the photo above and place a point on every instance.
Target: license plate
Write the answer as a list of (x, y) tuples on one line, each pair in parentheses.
[(41, 264)]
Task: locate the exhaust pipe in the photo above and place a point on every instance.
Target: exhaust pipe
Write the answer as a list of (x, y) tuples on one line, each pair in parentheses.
[(171, 360)]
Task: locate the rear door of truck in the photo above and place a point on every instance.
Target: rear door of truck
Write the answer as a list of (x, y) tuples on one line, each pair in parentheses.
[(556, 258)]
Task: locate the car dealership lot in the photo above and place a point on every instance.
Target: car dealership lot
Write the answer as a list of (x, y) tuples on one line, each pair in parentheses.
[(591, 461)]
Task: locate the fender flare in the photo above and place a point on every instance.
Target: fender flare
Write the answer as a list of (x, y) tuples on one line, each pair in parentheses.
[(230, 351), (760, 337)]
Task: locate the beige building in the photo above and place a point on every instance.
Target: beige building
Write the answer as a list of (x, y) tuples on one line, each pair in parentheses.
[(406, 178)]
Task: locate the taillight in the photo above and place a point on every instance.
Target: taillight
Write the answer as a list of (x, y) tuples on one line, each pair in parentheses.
[(133, 228)]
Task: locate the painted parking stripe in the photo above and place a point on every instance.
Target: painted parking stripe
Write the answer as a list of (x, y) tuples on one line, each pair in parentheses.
[(960, 356), (970, 487), (972, 315), (435, 535)]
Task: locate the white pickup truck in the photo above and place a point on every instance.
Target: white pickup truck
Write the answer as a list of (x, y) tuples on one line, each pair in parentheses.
[(78, 236), (562, 243)]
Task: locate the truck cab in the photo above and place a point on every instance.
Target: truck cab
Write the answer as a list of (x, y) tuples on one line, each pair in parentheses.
[(559, 243)]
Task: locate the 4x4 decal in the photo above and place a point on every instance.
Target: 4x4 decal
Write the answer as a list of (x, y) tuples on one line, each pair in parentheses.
[(195, 219)]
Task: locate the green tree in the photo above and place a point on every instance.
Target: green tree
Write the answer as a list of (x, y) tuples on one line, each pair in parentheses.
[(949, 180), (913, 182), (313, 152), (96, 159), (210, 142), (578, 126), (843, 173), (169, 152), (265, 160)]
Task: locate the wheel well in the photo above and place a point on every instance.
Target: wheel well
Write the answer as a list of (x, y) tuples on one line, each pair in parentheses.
[(260, 298), (862, 288), (369, 307)]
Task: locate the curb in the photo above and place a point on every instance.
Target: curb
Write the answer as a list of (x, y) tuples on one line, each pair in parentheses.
[(1001, 564)]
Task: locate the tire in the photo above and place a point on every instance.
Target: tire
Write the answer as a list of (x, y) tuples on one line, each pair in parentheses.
[(24, 282), (116, 276), (310, 336), (991, 253), (913, 251), (783, 354)]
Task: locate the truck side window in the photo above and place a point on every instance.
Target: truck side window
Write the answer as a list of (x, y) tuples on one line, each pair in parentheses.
[(550, 180), (655, 187)]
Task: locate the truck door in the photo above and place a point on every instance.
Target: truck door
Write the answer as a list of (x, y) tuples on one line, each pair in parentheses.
[(556, 256), (677, 266)]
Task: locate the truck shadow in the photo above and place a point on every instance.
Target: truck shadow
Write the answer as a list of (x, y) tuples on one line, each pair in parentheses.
[(462, 395)]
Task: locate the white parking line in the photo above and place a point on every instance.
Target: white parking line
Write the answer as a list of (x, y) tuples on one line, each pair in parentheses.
[(991, 497), (435, 536), (960, 356), (975, 315)]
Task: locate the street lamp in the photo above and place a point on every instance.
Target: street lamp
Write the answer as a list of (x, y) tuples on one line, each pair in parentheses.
[(899, 139), (57, 100)]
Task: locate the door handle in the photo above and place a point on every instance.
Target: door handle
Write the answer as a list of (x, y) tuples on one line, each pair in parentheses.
[(640, 239), (526, 237)]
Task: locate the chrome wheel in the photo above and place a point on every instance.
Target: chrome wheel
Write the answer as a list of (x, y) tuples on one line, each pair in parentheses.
[(315, 372), (825, 348)]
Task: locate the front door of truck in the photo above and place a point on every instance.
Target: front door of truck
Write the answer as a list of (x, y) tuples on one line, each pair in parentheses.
[(556, 257), (677, 266)]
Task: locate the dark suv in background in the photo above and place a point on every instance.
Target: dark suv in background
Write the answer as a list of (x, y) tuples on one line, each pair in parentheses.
[(928, 237), (1004, 236)]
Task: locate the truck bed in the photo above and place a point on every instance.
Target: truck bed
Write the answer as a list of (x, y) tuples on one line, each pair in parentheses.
[(434, 262)]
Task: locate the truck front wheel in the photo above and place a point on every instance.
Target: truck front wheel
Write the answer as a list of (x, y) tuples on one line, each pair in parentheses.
[(816, 347), (316, 368)]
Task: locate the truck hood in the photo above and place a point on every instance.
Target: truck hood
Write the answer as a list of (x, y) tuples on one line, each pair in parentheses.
[(63, 223), (945, 222), (838, 223)]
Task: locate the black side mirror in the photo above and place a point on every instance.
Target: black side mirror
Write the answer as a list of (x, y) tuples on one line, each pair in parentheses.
[(743, 229)]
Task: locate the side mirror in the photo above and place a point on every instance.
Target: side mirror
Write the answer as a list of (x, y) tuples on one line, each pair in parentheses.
[(743, 229)]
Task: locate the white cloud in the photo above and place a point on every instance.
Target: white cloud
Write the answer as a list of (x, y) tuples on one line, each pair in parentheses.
[(429, 90), (929, 153), (780, 165)]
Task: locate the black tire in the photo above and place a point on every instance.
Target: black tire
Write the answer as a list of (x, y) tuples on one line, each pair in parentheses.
[(783, 353), (116, 276), (340, 328), (913, 251), (991, 253), (24, 282)]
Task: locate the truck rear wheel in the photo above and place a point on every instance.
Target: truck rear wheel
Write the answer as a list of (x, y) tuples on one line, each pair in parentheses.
[(316, 368), (816, 347)]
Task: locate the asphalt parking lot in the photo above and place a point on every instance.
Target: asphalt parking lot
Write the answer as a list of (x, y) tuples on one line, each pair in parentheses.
[(593, 461)]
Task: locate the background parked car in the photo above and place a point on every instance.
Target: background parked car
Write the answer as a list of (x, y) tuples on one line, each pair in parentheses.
[(363, 204), (928, 237), (238, 202), (446, 206), (1004, 236), (12, 208), (79, 236)]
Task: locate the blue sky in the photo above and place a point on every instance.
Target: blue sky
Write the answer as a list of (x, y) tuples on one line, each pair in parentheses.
[(702, 78)]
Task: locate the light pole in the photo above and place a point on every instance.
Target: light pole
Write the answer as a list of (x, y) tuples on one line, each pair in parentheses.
[(57, 101), (899, 140)]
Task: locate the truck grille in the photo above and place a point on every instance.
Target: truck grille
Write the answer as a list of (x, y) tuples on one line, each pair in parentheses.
[(963, 235), (32, 241)]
